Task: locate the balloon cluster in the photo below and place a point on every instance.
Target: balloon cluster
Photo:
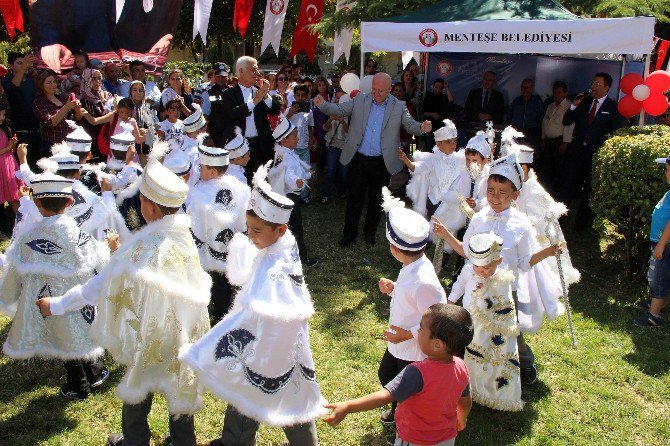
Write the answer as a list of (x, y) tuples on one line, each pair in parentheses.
[(644, 94), (352, 85)]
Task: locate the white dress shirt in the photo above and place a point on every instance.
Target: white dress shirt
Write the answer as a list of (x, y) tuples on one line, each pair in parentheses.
[(552, 124), (416, 289), (248, 97)]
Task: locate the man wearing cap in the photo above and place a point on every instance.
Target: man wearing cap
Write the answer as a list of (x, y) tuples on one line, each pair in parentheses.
[(371, 151), (247, 106), (212, 96), (151, 300)]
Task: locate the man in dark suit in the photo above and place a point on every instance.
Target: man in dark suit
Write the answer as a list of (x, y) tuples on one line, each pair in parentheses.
[(247, 106), (595, 117), (485, 104), (371, 151)]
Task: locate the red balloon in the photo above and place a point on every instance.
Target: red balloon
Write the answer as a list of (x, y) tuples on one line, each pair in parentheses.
[(629, 106), (658, 81), (354, 93), (630, 81), (656, 104)]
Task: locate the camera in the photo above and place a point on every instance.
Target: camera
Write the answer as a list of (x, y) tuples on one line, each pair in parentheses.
[(303, 106)]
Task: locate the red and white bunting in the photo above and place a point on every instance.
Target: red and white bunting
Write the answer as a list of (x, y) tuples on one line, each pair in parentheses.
[(275, 13), (343, 37)]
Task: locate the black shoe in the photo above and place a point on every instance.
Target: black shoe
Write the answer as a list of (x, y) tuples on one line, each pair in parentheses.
[(344, 242), (115, 440), (101, 380), (388, 417), (370, 239), (168, 441), (645, 304), (648, 320), (71, 394), (324, 200), (306, 201), (529, 375), (309, 261), (217, 442), (390, 440)]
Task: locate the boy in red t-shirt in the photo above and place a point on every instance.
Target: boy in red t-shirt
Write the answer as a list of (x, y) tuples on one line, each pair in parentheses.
[(433, 394)]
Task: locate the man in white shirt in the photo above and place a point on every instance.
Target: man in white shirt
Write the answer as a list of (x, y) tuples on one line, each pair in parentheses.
[(138, 73), (556, 138), (247, 106)]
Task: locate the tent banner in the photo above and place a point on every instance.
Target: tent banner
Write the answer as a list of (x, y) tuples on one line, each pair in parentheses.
[(464, 72), (632, 35)]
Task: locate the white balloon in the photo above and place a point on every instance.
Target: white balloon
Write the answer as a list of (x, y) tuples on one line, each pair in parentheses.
[(344, 97), (366, 84), (349, 82), (641, 92)]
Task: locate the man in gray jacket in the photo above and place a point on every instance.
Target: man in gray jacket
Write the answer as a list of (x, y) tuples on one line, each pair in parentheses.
[(371, 151)]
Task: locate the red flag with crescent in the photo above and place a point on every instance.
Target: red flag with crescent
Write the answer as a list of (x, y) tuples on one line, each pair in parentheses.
[(12, 15), (242, 15), (303, 39)]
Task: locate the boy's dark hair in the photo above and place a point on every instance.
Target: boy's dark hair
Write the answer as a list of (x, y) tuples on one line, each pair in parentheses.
[(220, 170), (301, 87), (417, 253), (501, 179), (401, 85), (126, 103), (164, 209), (54, 204), (67, 173), (438, 80), (607, 78), (452, 325), (119, 154), (11, 57), (171, 102), (472, 152), (251, 213)]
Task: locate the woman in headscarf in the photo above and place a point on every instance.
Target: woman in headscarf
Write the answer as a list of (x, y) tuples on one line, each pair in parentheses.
[(96, 101), (144, 116)]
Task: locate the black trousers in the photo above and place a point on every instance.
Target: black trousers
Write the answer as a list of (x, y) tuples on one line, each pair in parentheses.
[(295, 224), (136, 430), (80, 374), (221, 296), (258, 155), (553, 164), (367, 176), (578, 177), (389, 367)]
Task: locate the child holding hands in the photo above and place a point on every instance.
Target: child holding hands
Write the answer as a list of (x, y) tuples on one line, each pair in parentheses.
[(433, 394)]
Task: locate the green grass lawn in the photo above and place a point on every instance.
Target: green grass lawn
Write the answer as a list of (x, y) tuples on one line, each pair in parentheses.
[(612, 389)]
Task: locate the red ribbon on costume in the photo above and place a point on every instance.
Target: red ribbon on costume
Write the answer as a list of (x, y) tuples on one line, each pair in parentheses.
[(303, 39), (242, 15), (12, 15)]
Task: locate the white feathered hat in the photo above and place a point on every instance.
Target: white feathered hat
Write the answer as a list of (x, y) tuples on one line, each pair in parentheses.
[(266, 203), (405, 229)]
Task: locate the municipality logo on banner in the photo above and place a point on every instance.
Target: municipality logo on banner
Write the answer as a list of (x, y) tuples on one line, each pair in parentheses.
[(277, 6), (428, 37)]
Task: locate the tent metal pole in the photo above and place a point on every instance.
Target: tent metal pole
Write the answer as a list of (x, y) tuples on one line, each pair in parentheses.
[(647, 62), (621, 74)]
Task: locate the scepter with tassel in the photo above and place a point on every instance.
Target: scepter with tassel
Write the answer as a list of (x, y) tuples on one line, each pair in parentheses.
[(555, 236)]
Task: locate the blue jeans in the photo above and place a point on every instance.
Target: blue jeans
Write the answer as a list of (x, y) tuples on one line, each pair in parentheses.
[(303, 154), (334, 170)]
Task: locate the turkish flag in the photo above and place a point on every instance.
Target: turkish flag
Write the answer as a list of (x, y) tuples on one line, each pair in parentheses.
[(242, 15), (11, 13), (303, 39), (661, 53)]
